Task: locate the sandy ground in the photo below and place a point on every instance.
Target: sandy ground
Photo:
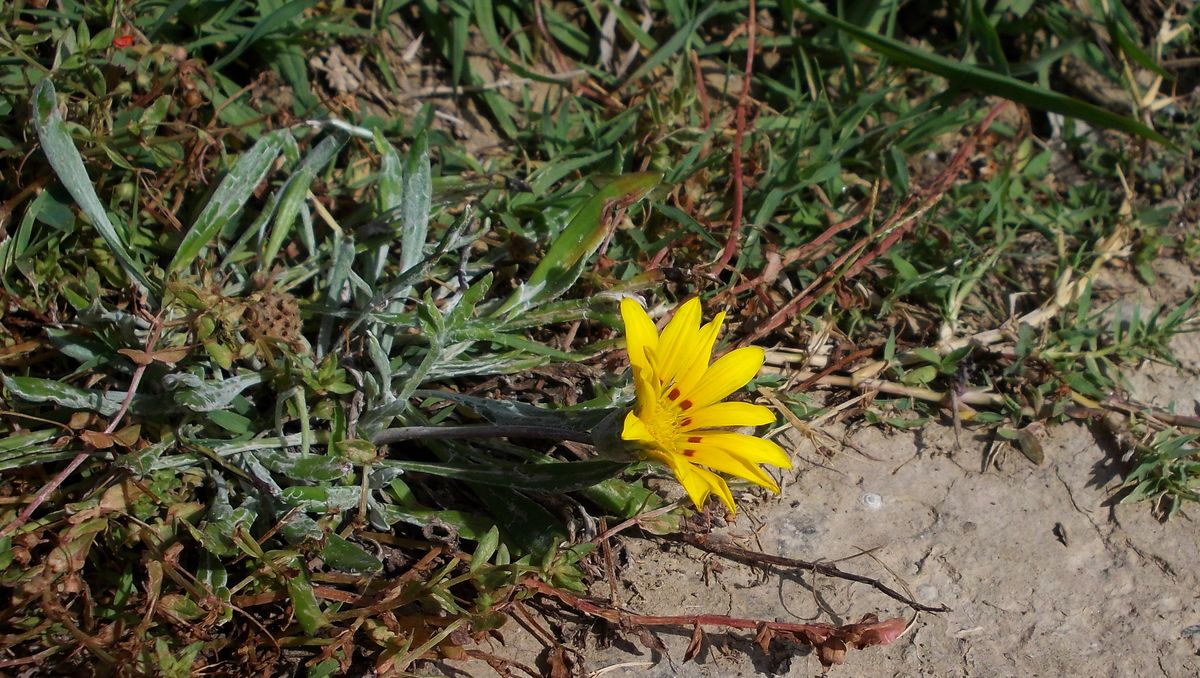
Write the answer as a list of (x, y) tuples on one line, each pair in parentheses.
[(1043, 575)]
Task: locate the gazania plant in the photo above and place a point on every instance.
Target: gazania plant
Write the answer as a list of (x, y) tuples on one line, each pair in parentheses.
[(681, 418)]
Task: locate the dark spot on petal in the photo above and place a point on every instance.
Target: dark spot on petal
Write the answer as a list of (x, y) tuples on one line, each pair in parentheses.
[(689, 453), (685, 404), (673, 394), (694, 439), (686, 421)]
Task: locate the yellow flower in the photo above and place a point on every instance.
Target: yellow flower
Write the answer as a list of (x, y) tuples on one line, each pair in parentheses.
[(679, 416)]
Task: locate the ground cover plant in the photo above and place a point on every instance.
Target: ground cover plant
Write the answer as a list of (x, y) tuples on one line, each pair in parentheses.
[(314, 316)]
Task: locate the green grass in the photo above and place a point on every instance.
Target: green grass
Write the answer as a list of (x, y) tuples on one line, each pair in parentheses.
[(283, 292)]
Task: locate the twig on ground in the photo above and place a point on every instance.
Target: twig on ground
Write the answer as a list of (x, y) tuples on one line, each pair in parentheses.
[(620, 527), (741, 555), (831, 641)]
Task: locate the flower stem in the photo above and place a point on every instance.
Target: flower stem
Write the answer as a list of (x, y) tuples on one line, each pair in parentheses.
[(396, 435)]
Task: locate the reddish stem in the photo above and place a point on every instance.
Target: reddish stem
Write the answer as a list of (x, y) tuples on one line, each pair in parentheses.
[(735, 229), (896, 227), (70, 468)]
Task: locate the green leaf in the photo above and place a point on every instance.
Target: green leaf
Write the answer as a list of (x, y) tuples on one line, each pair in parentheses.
[(345, 555), (619, 498), (551, 477), (28, 449), (568, 254), (982, 27), (516, 412), (68, 165), (267, 25), (1132, 50), (309, 468), (34, 390), (206, 396), (415, 205), (295, 191), (526, 524), (304, 601), (485, 550), (229, 198), (919, 376), (988, 82), (322, 499)]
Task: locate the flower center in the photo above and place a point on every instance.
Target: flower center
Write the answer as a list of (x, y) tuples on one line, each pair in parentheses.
[(667, 418)]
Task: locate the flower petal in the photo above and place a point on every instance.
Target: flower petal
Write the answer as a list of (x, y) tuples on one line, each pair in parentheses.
[(640, 332), (727, 414), (646, 387), (697, 486), (718, 459), (677, 345), (690, 373), (728, 374), (635, 430), (752, 449), (718, 486)]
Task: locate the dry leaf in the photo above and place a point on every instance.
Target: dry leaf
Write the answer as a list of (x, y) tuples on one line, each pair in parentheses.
[(651, 641), (169, 356), (128, 435), (138, 356), (764, 636), (696, 643), (870, 631), (832, 652), (557, 661), (97, 439)]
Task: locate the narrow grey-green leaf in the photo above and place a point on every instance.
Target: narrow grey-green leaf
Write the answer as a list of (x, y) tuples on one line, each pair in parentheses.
[(294, 192), (216, 394), (68, 165), (33, 455), (35, 390), (417, 200), (514, 412), (552, 477), (321, 499), (17, 441), (229, 198), (310, 468)]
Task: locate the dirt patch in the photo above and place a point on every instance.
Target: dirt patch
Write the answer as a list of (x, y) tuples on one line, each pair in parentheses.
[(1043, 574)]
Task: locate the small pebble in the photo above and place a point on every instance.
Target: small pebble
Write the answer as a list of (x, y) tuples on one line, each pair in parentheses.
[(871, 500)]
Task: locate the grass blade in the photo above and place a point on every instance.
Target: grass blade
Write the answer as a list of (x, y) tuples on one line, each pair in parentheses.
[(263, 28), (989, 82)]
